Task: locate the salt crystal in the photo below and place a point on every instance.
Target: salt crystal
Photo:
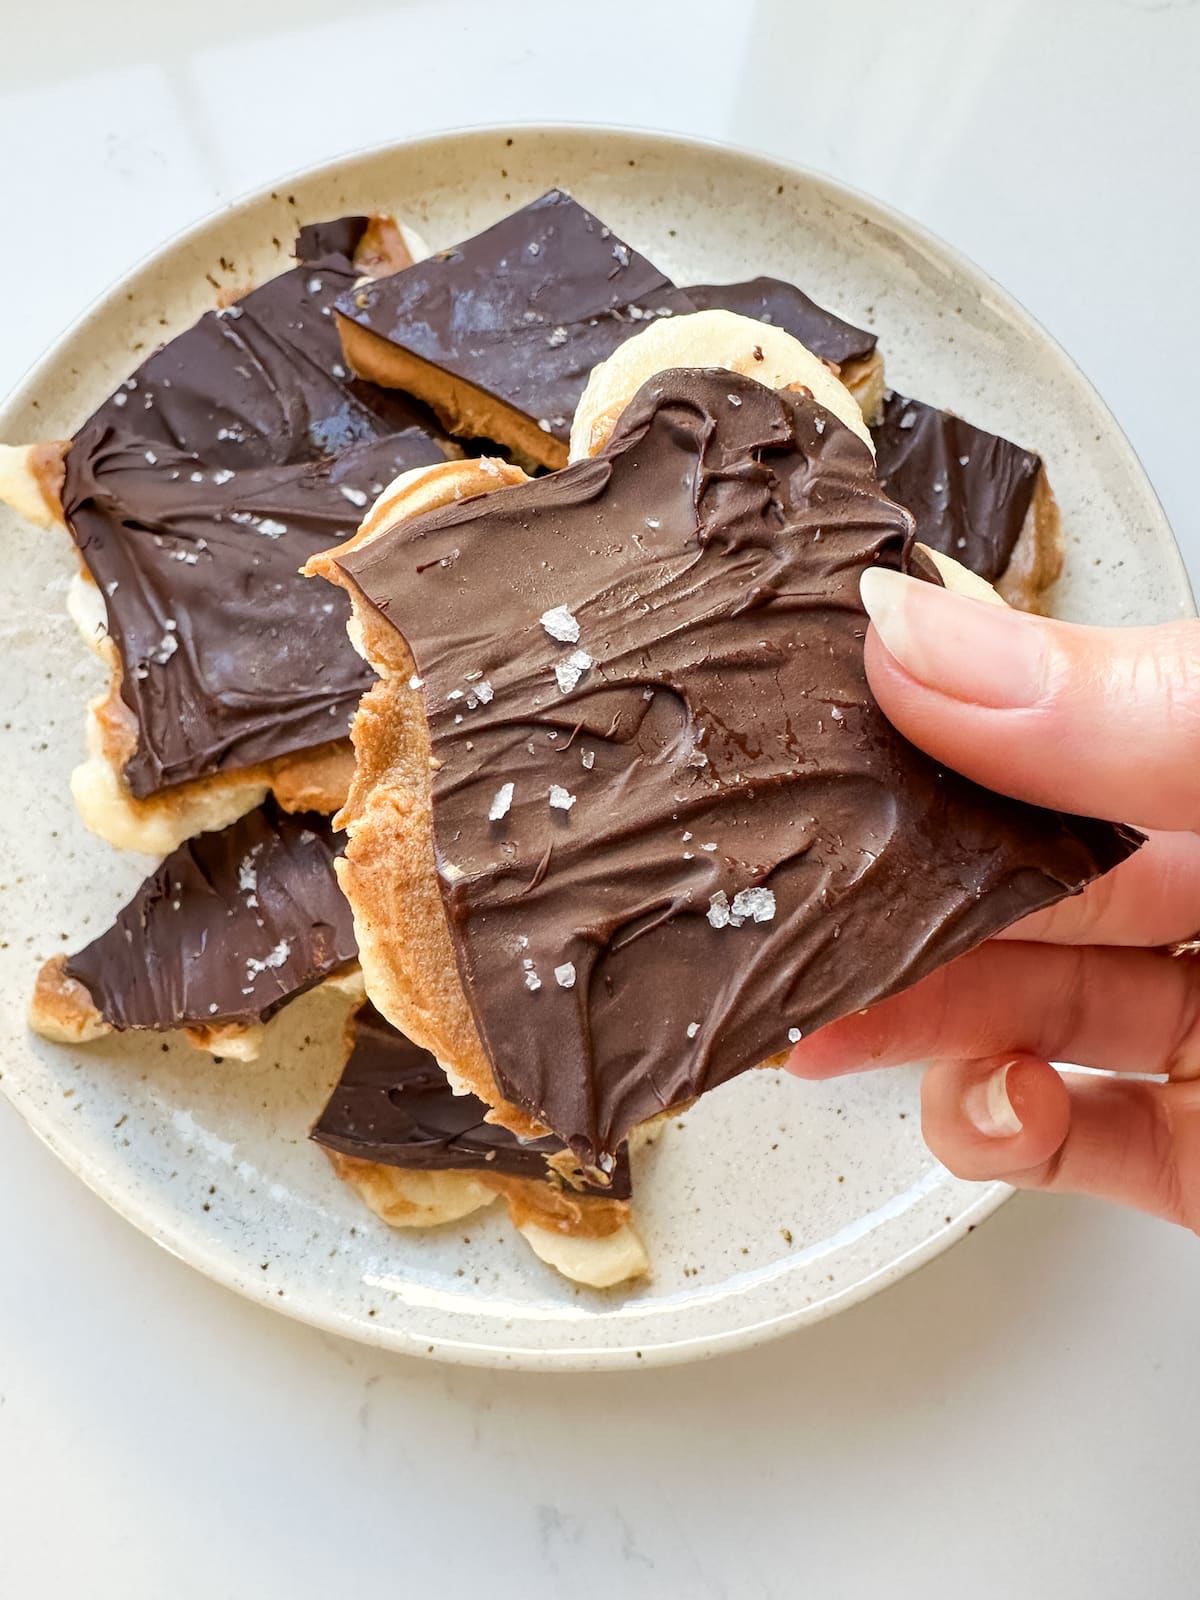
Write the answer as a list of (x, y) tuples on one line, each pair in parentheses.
[(588, 758), (500, 805), (693, 1028), (271, 528), (151, 458), (734, 399), (794, 1036), (315, 286), (223, 475), (416, 683), (756, 904), (120, 398), (718, 909), (560, 800), (356, 497), (908, 420), (564, 976), (569, 672), (558, 337), (274, 958), (484, 692), (197, 477), (560, 624)]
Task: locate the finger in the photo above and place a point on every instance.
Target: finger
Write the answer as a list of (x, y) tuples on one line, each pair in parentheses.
[(1134, 1143), (1099, 721), (1153, 898), (1124, 1010)]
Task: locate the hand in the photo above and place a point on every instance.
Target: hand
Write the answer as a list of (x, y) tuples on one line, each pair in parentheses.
[(1104, 722)]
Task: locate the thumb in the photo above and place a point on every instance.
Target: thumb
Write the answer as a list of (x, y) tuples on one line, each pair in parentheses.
[(1099, 721)]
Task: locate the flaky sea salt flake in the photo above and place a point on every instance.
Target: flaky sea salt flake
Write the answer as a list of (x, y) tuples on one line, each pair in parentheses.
[(569, 672), (502, 801), (561, 625)]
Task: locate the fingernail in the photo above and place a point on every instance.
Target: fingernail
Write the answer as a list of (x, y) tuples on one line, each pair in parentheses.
[(987, 1107), (968, 649)]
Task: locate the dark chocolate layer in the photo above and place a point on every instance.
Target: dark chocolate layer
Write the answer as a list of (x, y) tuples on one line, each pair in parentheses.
[(970, 491), (524, 310), (196, 493), (789, 308), (707, 837), (393, 1105), (230, 927)]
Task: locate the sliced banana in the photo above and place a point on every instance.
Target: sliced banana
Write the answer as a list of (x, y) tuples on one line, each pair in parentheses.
[(705, 339)]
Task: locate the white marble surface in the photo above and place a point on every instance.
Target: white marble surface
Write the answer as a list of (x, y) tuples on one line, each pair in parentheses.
[(1019, 1418)]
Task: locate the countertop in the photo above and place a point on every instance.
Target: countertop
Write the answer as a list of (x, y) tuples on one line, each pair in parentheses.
[(1019, 1418)]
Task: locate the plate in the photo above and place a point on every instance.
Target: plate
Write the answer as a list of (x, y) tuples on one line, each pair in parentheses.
[(772, 1203)]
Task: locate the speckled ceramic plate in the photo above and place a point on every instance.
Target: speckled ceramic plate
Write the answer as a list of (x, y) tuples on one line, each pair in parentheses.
[(773, 1203)]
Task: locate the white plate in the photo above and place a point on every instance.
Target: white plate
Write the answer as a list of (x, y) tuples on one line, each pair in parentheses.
[(774, 1203)]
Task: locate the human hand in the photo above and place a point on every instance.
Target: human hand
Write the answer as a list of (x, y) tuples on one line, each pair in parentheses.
[(1104, 722)]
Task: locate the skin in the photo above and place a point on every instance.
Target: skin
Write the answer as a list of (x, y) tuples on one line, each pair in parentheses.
[(1098, 721)]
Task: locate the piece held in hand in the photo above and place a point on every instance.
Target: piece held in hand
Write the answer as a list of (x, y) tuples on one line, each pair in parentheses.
[(752, 846)]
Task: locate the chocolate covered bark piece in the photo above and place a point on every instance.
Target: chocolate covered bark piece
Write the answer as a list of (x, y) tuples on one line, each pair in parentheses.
[(420, 1155), (499, 334), (393, 1105), (227, 657), (229, 928), (197, 491), (672, 829), (975, 496)]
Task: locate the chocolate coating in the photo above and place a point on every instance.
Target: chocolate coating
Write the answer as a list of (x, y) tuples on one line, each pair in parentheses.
[(199, 489), (970, 491), (772, 300), (724, 743), (231, 926), (393, 1105), (524, 310)]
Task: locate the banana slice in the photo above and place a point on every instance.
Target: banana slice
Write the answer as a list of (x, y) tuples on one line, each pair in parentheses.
[(706, 339)]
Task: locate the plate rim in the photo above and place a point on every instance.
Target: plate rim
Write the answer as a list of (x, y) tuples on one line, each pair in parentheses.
[(106, 1180)]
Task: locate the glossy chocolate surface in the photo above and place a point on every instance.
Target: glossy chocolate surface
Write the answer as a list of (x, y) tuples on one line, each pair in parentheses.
[(970, 491)]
